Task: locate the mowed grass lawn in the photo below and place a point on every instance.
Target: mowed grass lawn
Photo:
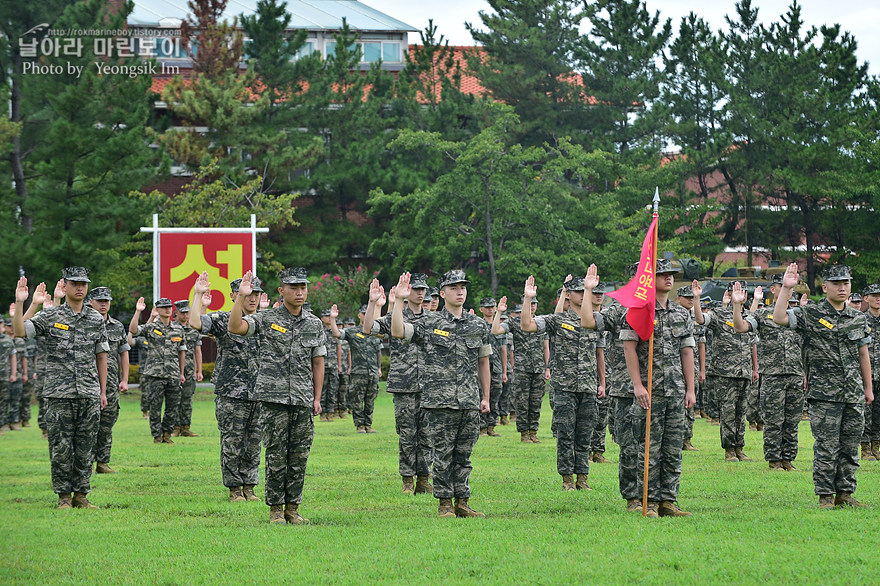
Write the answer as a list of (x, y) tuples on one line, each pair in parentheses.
[(165, 518)]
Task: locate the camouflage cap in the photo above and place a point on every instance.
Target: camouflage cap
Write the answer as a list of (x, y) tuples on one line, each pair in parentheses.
[(101, 294), (418, 281), (574, 284), (504, 316), (872, 289), (742, 284), (256, 283), (523, 298), (349, 321), (488, 302), (307, 306), (685, 291), (517, 308), (293, 276), (603, 287), (362, 308), (452, 277), (433, 292), (182, 305), (632, 269), (855, 298), (163, 302), (7, 321), (795, 297), (838, 273), (664, 267), (339, 321), (325, 313), (79, 274), (776, 279)]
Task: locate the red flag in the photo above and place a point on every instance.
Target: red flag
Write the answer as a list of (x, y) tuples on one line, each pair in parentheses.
[(639, 294)]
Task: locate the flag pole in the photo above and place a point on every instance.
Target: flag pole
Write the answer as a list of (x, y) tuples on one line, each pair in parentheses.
[(650, 364)]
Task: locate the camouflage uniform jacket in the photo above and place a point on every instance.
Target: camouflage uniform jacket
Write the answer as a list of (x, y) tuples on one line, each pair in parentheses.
[(345, 351), (7, 351), (165, 341), (617, 378), (451, 348), (117, 339), (192, 338), (673, 330), (71, 341), (731, 352), (495, 364), (832, 340), (331, 364), (235, 372), (874, 346), (364, 350), (20, 357), (527, 346), (406, 359), (779, 348), (287, 345), (575, 369)]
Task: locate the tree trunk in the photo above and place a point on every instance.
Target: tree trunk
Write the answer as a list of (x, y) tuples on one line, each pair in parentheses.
[(490, 248), (15, 157)]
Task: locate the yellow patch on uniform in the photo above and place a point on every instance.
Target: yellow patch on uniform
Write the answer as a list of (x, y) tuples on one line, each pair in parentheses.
[(826, 323), (158, 333), (176, 339), (359, 335), (730, 323), (443, 333), (568, 327), (278, 328), (64, 327)]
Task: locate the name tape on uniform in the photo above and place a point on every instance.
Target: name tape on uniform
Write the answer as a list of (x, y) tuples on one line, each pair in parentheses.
[(176, 339), (443, 333), (826, 323), (568, 327), (360, 335), (278, 328), (64, 327), (158, 333)]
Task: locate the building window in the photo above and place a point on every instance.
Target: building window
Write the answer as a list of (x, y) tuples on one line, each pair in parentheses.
[(372, 52), (391, 52)]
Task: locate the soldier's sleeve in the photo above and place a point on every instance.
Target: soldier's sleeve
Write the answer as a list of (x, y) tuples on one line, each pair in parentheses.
[(101, 344), (411, 333), (542, 321), (36, 326), (627, 334), (486, 348), (601, 343), (382, 326), (343, 334), (864, 329), (687, 333), (123, 345), (797, 318), (143, 329), (708, 321), (254, 324), (319, 350), (754, 322), (506, 327)]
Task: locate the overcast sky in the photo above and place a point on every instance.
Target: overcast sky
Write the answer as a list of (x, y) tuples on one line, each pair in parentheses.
[(860, 17)]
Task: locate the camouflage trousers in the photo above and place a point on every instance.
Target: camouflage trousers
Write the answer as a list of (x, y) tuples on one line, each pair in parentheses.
[(505, 402), (145, 395), (782, 402), (872, 419), (627, 469), (109, 416), (41, 403), (699, 391), (527, 397), (14, 413), (597, 441), (287, 436), (72, 425), (452, 434), (329, 390), (490, 419), (732, 394), (239, 423), (575, 416), (185, 404), (753, 403), (711, 405), (27, 392), (4, 401), (689, 418), (161, 390), (363, 389), (837, 428), (343, 400), (667, 437), (414, 450)]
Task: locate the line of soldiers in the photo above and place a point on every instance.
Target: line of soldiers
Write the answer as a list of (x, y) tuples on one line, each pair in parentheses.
[(272, 368)]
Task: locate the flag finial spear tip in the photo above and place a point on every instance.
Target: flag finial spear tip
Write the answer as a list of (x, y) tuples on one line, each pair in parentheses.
[(656, 199)]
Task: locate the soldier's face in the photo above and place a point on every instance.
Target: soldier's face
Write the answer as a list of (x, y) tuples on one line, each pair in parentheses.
[(488, 312), (251, 302), (75, 290), (686, 302), (575, 297), (182, 317), (164, 312), (664, 282), (294, 294), (454, 295), (435, 303), (102, 306), (837, 291), (598, 298), (417, 296), (873, 301)]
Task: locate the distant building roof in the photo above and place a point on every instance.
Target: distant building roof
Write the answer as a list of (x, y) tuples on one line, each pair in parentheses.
[(306, 14)]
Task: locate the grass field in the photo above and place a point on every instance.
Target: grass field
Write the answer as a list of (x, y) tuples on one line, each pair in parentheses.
[(165, 518)]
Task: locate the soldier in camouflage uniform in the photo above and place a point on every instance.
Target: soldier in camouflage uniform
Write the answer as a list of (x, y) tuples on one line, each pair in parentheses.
[(192, 370), (366, 352), (164, 373), (27, 389), (8, 374), (343, 399), (16, 386), (142, 345), (234, 378), (686, 300), (504, 402), (117, 376), (453, 398), (575, 379), (405, 379), (672, 392), (331, 367), (529, 366), (488, 307), (603, 404), (871, 435), (76, 375), (782, 378), (839, 382), (289, 381), (434, 294), (731, 371)]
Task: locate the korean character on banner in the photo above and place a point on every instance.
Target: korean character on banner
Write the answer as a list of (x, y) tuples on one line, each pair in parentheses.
[(102, 47), (125, 47), (27, 48), (50, 46), (147, 47), (72, 47)]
